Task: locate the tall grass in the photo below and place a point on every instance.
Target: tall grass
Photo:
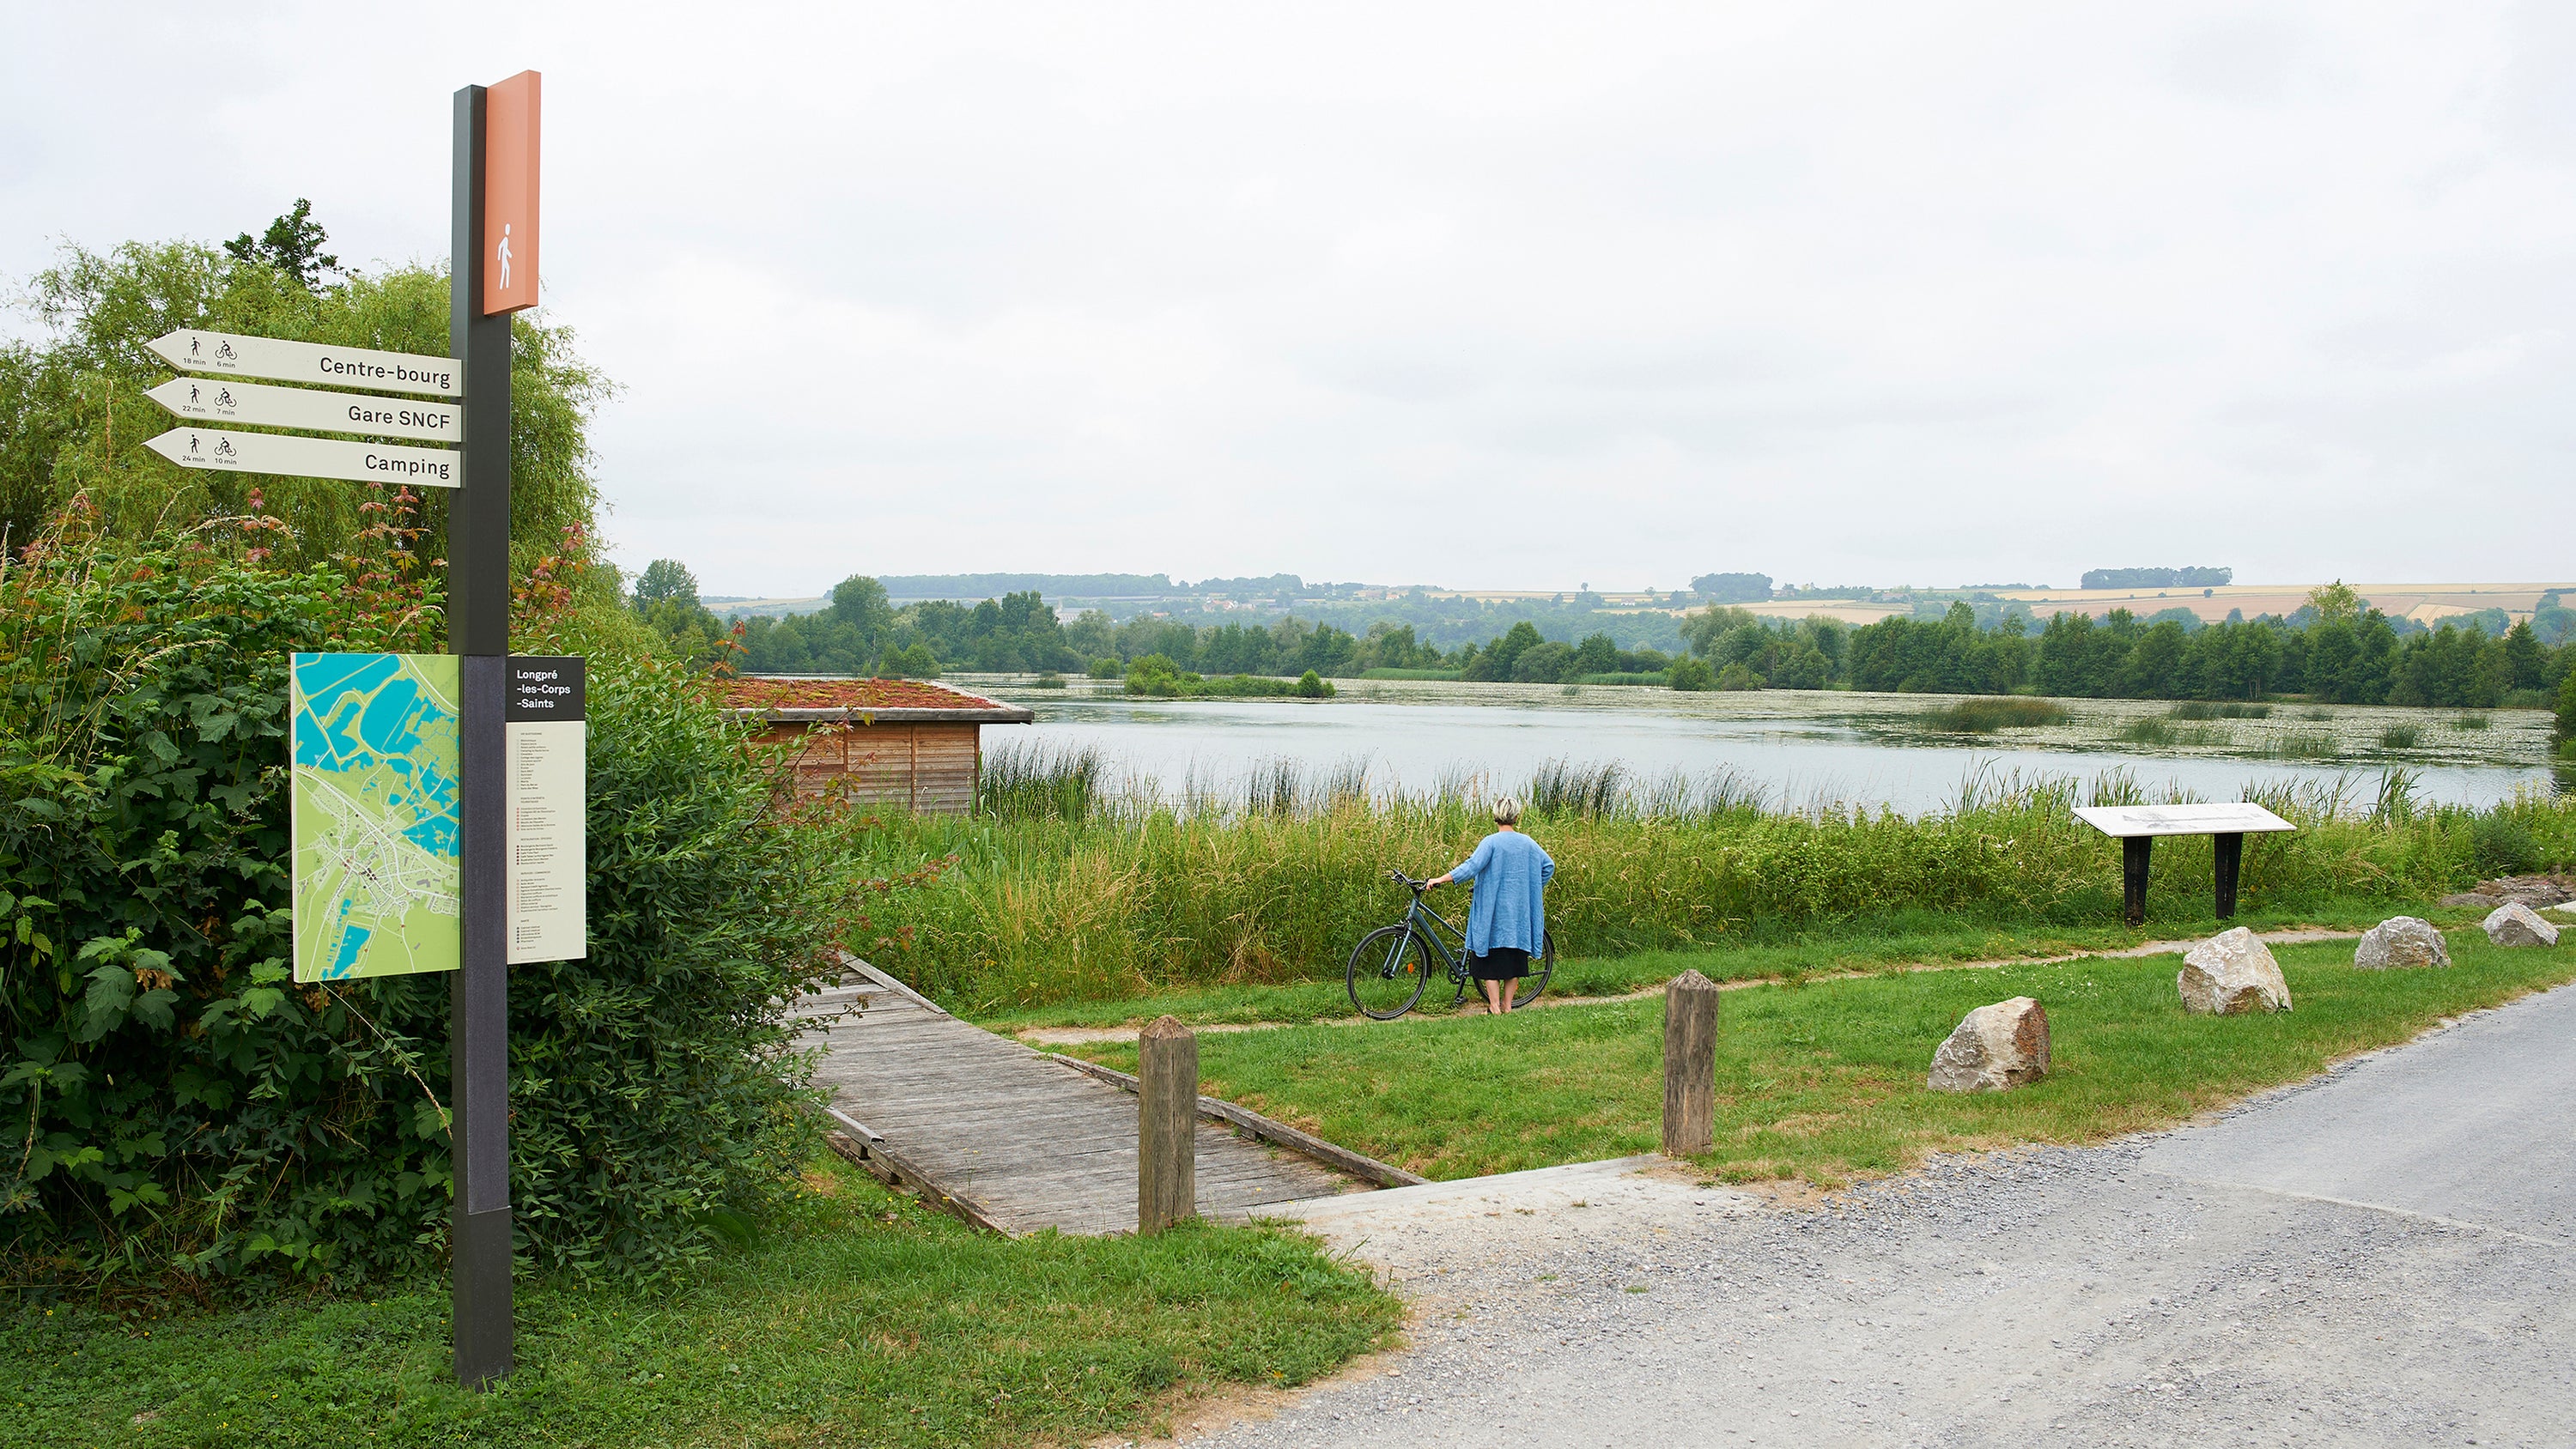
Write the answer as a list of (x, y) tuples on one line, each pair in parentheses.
[(1986, 714), (1066, 889), (2400, 737), (2204, 709), (1042, 782), (2302, 745)]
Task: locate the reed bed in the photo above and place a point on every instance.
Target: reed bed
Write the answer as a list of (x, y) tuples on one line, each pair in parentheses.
[(1068, 886), (1986, 714)]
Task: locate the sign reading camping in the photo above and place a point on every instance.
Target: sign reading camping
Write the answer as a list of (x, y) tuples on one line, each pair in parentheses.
[(305, 457)]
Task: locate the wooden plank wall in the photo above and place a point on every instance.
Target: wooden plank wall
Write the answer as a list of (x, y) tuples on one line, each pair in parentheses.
[(924, 767)]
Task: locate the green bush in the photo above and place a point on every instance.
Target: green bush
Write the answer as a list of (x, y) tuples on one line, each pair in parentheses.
[(2501, 844), (186, 1110), (1691, 675)]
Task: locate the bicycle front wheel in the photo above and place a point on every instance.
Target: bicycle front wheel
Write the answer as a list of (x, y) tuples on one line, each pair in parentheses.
[(1541, 967), (1387, 972)]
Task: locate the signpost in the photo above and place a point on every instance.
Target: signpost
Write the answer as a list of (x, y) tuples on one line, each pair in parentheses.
[(215, 401), (498, 123), (438, 800), (2137, 826)]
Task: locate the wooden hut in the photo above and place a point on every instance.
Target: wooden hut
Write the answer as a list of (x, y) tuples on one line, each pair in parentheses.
[(896, 741)]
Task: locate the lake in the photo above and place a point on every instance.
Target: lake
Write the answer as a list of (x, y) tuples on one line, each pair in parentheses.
[(1801, 748)]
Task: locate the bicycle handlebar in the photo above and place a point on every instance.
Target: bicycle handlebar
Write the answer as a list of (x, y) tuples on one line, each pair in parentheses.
[(1419, 886)]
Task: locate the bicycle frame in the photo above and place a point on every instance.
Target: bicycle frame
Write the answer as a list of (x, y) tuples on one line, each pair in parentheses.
[(1423, 919)]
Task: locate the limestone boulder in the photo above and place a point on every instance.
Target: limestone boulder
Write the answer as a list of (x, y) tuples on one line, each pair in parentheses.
[(2519, 925), (1993, 1048), (2232, 973), (2401, 941)]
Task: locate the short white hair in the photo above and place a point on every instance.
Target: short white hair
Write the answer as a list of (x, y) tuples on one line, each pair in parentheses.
[(1507, 810)]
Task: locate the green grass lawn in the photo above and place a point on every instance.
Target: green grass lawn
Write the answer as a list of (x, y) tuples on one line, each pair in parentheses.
[(864, 1319), (1824, 1081), (1864, 944)]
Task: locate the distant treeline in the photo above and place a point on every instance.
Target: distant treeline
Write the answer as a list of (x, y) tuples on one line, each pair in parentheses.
[(2340, 653), (2336, 649), (2156, 578)]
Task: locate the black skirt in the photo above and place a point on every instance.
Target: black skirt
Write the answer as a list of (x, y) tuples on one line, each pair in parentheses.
[(1503, 963)]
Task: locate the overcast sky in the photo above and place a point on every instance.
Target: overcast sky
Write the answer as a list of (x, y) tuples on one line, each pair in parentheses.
[(1480, 294)]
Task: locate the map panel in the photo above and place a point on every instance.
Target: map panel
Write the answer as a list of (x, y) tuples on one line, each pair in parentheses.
[(375, 747)]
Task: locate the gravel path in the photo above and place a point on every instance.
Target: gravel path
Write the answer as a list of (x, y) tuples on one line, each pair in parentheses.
[(2384, 1255)]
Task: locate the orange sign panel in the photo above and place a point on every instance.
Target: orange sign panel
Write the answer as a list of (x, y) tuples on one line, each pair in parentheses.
[(510, 194)]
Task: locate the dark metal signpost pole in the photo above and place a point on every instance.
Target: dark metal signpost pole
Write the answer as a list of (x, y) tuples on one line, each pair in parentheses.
[(478, 631)]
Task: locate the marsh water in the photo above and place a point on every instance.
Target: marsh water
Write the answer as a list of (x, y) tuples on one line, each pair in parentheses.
[(1799, 749)]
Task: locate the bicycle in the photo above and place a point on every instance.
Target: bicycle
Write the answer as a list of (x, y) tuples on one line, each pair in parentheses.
[(1392, 964)]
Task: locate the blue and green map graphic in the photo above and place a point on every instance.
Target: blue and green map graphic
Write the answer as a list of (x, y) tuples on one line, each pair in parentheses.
[(375, 758)]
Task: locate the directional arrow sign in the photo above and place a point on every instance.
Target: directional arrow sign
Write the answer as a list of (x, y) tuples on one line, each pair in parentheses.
[(307, 457), (211, 399), (240, 356)]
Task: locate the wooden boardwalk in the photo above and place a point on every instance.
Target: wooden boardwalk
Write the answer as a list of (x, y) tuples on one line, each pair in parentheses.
[(1015, 1139)]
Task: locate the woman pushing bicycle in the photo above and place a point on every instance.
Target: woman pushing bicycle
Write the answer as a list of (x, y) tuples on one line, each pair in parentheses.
[(1507, 916)]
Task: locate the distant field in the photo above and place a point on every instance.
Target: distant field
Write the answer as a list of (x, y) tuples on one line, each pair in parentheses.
[(2423, 603)]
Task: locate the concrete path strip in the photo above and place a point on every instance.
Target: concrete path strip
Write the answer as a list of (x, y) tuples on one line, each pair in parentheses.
[(1081, 1035), (2379, 1256)]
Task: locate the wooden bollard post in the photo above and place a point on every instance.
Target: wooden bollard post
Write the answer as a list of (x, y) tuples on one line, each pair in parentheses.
[(1167, 1122), (1690, 1064)]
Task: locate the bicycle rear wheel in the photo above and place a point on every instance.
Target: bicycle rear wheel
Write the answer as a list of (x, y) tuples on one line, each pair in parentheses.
[(1387, 971), (1541, 967)]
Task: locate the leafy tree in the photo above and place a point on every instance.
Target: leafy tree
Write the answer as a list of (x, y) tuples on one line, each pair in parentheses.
[(1597, 654), (1691, 675), (1732, 588), (1502, 658), (667, 581), (292, 244), (1092, 634), (2336, 602), (2525, 661), (1547, 663), (1329, 651)]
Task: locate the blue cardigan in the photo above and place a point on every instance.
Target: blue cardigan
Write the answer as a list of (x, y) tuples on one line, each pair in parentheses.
[(1510, 904)]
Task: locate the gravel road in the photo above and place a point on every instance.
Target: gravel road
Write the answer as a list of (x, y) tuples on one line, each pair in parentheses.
[(2382, 1256)]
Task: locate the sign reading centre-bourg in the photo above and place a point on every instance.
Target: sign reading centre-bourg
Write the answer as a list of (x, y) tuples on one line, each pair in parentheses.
[(271, 357), (373, 814)]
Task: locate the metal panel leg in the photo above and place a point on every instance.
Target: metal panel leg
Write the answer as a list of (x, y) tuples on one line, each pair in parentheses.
[(2231, 854), (2133, 878)]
